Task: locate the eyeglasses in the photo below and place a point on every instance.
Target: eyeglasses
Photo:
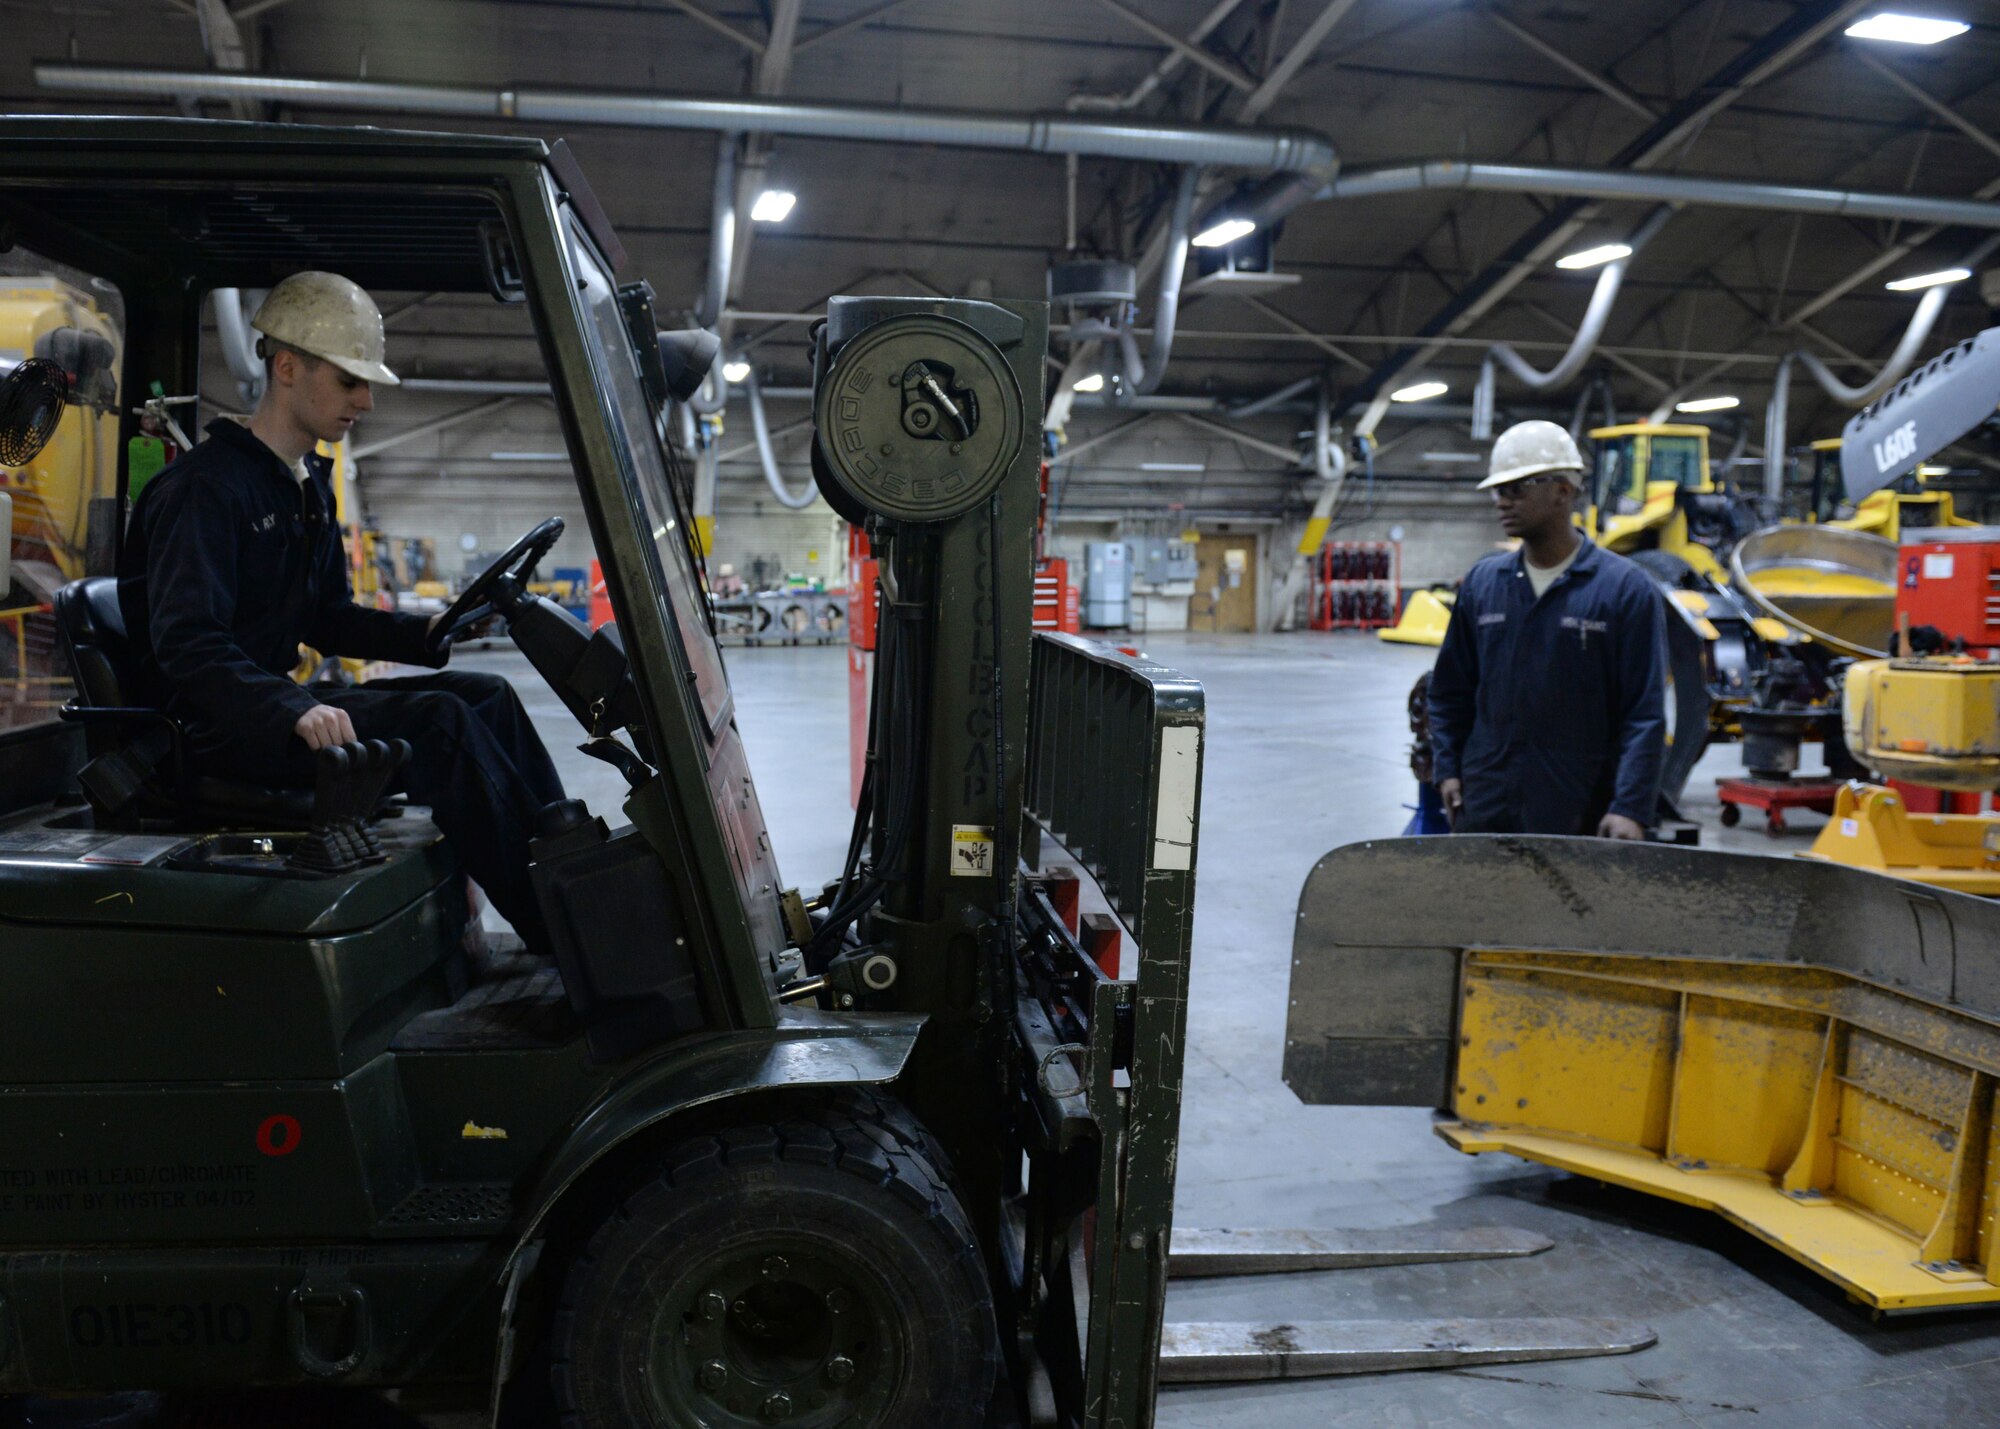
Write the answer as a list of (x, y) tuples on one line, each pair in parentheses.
[(1513, 490)]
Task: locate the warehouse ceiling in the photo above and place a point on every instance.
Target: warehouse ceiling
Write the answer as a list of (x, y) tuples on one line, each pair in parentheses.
[(1745, 89)]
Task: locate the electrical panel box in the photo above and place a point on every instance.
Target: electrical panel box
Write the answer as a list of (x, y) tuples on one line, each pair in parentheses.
[(1950, 578), (1162, 561), (1107, 584)]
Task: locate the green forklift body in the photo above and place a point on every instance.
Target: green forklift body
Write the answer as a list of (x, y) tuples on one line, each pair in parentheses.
[(265, 1128)]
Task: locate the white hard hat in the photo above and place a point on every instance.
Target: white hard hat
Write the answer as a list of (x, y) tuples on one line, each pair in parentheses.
[(330, 317), (1531, 449)]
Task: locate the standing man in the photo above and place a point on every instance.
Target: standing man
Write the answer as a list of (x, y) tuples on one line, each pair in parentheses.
[(233, 560), (1548, 703)]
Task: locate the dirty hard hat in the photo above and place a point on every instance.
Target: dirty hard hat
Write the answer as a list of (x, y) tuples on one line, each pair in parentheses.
[(330, 317), (1532, 449)]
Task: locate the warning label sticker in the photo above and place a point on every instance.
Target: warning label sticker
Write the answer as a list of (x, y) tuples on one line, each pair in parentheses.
[(971, 850)]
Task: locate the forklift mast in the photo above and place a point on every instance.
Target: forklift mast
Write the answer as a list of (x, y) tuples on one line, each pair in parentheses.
[(925, 413)]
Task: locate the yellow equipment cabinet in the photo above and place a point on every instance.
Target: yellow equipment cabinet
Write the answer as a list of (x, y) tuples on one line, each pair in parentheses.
[(53, 493), (1810, 1051), (1932, 721)]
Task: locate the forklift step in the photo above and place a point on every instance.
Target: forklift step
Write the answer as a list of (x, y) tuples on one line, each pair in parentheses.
[(1202, 1253), (1198, 1352)]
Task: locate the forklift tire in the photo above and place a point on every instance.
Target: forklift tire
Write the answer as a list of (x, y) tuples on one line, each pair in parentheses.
[(816, 1272)]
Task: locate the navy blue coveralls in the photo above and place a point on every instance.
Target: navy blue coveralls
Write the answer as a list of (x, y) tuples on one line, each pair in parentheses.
[(230, 564), (1552, 712)]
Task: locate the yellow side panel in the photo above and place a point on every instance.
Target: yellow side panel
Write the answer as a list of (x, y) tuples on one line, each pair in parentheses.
[(1570, 1056), (1315, 535), (1846, 1122), (704, 533), (1989, 1187), (1871, 1260), (1746, 1083)]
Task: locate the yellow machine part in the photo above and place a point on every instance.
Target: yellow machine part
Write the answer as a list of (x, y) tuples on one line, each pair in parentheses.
[(52, 493), (1845, 1123), (1887, 513), (1930, 720), (1872, 828), (1423, 620)]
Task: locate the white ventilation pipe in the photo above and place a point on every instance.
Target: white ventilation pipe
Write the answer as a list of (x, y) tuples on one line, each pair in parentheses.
[(1588, 333), (767, 455), (1167, 302), (1776, 414), (1271, 203), (239, 345), (1226, 145)]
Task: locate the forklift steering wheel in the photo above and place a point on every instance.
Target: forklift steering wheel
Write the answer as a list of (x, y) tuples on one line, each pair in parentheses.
[(474, 604)]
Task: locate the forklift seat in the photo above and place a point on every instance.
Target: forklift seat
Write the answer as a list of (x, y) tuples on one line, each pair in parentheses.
[(139, 771)]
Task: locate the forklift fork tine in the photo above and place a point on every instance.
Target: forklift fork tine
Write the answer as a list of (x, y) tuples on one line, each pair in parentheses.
[(1219, 1351), (1205, 1253)]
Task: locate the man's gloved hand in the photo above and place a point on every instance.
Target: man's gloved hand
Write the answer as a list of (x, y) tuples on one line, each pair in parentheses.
[(1617, 826), (323, 726), (1452, 792), (478, 630)]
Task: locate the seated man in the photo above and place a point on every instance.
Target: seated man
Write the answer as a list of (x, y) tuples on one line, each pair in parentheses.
[(233, 559)]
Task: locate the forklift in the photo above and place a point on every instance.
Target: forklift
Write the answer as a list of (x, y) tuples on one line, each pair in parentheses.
[(898, 1151)]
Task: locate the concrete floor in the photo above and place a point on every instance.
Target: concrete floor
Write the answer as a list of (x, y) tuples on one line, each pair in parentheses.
[(1306, 751)]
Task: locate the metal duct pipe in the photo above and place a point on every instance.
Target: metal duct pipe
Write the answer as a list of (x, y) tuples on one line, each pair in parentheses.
[(1270, 203), (1602, 298), (1776, 414), (767, 455), (1131, 367), (1662, 188), (721, 234), (1329, 457), (1289, 150), (492, 387), (239, 348), (1273, 399), (713, 393), (1167, 303)]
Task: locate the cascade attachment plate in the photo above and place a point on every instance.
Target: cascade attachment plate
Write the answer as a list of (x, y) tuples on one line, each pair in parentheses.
[(919, 418)]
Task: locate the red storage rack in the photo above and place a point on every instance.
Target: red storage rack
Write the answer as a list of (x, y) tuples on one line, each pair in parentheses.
[(1356, 585)]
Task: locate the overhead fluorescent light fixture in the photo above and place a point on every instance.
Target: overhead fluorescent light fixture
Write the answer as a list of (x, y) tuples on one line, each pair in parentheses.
[(1709, 404), (735, 371), (1933, 471), (1906, 29), (1173, 466), (1453, 456), (1223, 233), (772, 206), (1929, 280), (1419, 392), (1596, 257), (1094, 382)]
